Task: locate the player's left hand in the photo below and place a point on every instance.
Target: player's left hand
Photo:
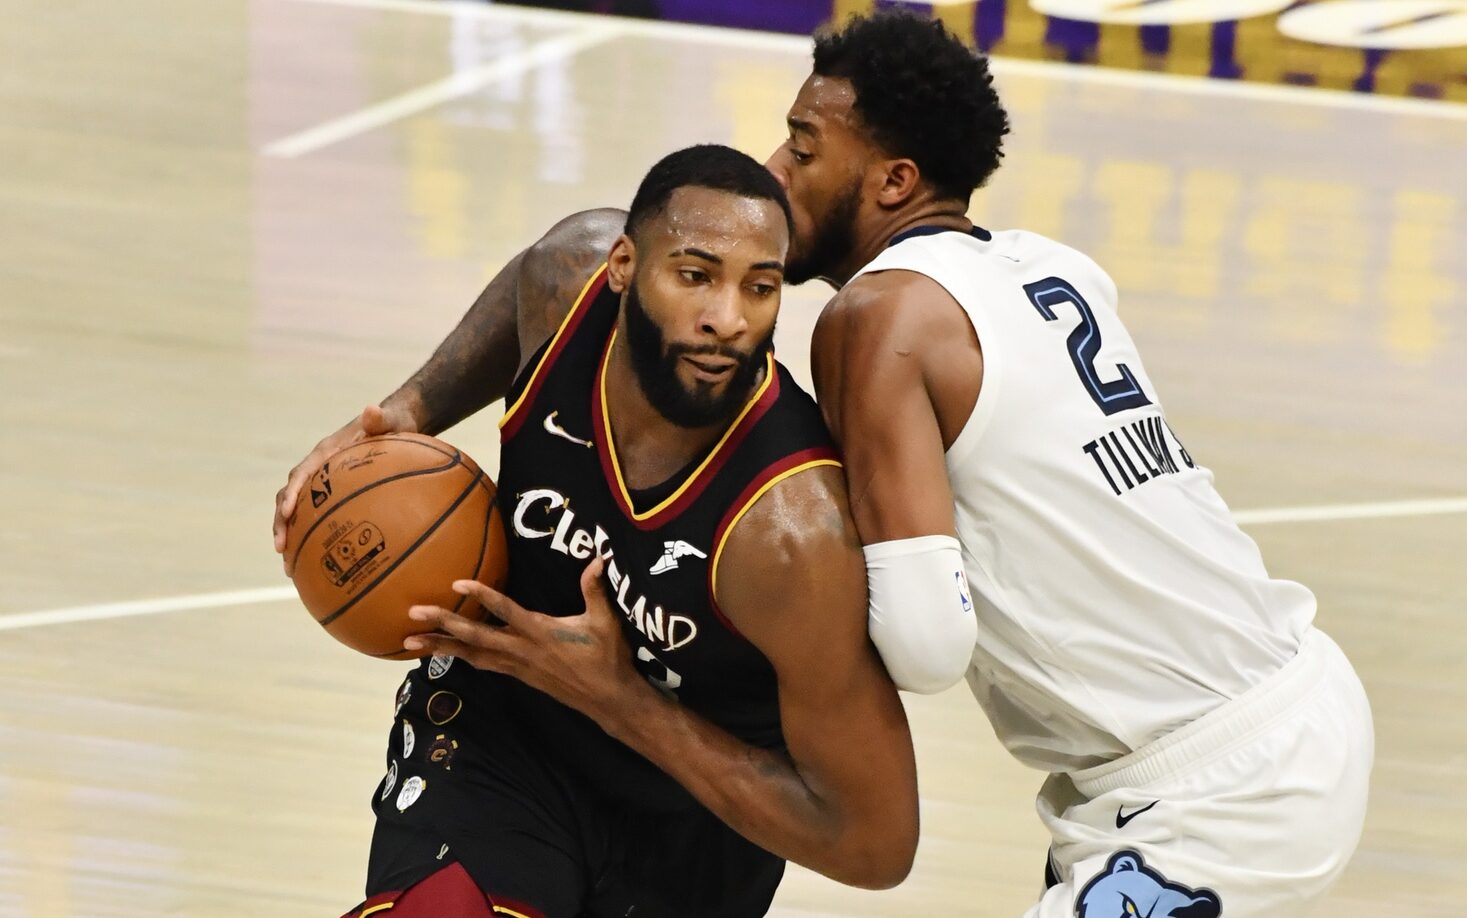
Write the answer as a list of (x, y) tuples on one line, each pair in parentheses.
[(580, 660)]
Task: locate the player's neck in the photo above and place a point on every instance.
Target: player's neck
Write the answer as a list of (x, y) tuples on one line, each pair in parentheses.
[(650, 449), (873, 238)]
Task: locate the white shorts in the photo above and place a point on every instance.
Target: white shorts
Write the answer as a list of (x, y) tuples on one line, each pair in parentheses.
[(1252, 810)]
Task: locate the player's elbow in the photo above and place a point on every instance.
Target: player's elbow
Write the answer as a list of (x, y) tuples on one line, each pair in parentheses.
[(921, 616), (877, 860), (933, 668), (891, 869)]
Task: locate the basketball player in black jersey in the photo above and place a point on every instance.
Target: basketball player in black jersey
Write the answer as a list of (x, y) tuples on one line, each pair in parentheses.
[(682, 569)]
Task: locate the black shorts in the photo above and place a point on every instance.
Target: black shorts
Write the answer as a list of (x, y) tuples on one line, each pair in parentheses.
[(476, 787)]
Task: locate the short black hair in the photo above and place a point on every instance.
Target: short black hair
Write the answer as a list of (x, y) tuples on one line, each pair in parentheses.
[(708, 165), (922, 94)]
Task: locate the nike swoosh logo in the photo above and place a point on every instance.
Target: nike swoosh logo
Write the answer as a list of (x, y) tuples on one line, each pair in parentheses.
[(1122, 818), (553, 428)]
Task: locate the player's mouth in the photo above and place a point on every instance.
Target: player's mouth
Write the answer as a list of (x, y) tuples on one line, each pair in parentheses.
[(711, 369)]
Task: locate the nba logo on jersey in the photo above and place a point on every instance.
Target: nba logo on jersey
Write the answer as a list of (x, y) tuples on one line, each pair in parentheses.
[(963, 594)]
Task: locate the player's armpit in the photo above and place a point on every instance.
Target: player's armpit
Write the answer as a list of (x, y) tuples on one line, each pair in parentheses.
[(792, 580), (555, 269)]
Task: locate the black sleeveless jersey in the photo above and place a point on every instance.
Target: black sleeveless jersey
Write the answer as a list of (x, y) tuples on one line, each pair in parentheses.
[(564, 500)]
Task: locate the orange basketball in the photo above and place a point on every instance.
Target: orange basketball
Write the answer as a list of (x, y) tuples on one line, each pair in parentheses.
[(389, 523)]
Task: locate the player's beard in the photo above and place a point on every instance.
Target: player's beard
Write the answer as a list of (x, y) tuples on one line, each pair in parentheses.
[(833, 240), (656, 362)]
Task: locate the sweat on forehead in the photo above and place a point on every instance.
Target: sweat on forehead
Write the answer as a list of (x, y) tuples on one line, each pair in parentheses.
[(823, 103), (703, 213)]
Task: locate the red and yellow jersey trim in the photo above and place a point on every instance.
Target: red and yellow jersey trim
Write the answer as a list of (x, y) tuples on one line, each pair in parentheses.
[(514, 416), (697, 481), (788, 467), (384, 902)]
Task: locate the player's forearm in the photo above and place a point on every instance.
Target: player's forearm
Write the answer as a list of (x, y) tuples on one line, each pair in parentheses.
[(474, 365), (759, 793)]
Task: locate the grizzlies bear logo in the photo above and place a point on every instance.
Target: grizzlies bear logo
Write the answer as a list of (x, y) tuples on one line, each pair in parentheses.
[(1129, 889)]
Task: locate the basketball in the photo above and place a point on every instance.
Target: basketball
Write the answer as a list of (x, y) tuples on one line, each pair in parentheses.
[(388, 523)]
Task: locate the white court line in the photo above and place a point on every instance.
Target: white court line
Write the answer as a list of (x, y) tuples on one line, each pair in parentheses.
[(145, 607), (1330, 512), (1051, 70), (444, 90), (1379, 510)]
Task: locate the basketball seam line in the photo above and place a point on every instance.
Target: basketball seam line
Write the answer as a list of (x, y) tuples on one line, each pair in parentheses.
[(483, 549), (399, 438), (325, 622), (456, 461)]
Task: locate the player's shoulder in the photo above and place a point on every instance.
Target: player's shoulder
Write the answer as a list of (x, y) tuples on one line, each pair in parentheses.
[(982, 252), (556, 267), (897, 308), (1034, 254), (793, 563), (800, 518), (571, 249), (588, 231)]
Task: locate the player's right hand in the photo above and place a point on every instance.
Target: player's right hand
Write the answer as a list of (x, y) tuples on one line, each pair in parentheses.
[(374, 421)]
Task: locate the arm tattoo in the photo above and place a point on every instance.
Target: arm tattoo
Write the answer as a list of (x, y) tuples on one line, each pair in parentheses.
[(512, 317)]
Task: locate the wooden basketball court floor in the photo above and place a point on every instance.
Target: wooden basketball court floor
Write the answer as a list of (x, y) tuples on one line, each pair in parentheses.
[(224, 227)]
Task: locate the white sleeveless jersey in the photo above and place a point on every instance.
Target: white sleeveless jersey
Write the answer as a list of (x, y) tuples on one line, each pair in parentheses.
[(1116, 598)]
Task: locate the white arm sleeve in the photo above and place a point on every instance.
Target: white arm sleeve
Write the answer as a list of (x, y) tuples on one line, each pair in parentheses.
[(921, 616)]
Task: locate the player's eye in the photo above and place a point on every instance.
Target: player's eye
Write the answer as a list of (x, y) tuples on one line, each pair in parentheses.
[(800, 156), (694, 276), (764, 290)]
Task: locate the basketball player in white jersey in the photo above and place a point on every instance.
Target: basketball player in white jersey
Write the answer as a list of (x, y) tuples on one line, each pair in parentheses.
[(1013, 474), (1030, 517)]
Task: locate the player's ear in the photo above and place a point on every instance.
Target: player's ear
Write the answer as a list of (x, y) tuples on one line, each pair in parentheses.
[(897, 181), (621, 264)]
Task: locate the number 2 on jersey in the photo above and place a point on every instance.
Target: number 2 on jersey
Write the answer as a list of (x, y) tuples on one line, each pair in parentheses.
[(1113, 395)]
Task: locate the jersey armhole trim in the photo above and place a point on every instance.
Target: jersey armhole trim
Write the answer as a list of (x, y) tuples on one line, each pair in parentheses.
[(787, 467), (514, 415), (989, 387)]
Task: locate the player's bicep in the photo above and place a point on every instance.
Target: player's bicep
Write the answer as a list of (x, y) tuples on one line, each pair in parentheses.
[(919, 615), (876, 402)]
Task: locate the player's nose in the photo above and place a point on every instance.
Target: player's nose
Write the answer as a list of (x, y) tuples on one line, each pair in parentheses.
[(775, 167), (723, 314)]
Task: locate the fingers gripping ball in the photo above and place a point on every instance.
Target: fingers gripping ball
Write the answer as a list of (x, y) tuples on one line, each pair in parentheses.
[(388, 523)]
